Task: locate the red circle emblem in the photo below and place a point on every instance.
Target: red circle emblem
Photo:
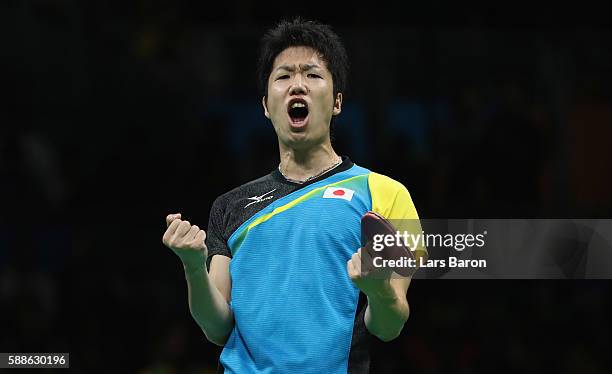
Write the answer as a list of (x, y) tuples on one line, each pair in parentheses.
[(339, 192)]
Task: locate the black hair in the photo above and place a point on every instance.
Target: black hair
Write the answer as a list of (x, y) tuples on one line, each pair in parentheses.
[(300, 32)]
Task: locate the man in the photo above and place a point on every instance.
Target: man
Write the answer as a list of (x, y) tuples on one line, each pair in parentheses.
[(282, 290)]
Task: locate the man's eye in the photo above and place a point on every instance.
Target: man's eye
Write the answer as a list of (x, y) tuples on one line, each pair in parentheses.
[(283, 77), (313, 76)]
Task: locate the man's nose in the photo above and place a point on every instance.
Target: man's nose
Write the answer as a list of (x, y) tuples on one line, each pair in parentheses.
[(298, 86)]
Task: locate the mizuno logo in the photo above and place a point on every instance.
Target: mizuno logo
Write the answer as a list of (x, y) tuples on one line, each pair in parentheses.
[(259, 199)]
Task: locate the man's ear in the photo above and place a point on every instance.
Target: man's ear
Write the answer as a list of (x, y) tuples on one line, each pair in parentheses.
[(265, 106), (337, 104)]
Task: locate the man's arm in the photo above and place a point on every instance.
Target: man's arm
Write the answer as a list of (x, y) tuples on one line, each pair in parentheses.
[(387, 309), (208, 292), (207, 303)]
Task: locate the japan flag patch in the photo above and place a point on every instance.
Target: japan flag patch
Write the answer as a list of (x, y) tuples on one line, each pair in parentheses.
[(338, 193)]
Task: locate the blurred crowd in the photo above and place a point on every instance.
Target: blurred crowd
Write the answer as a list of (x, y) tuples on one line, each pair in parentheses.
[(118, 115)]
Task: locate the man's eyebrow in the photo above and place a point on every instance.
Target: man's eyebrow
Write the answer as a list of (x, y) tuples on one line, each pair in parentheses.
[(303, 67), (309, 66)]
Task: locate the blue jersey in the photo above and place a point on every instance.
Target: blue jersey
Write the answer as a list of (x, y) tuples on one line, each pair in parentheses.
[(295, 307)]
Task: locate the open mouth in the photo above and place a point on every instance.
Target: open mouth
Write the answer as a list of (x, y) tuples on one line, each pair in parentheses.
[(298, 112)]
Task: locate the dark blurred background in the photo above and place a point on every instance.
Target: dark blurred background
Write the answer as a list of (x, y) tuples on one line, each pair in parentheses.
[(118, 113)]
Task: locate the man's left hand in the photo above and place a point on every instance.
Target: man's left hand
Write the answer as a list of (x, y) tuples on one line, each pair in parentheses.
[(372, 281)]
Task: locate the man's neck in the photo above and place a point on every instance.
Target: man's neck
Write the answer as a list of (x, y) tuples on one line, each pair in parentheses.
[(300, 165)]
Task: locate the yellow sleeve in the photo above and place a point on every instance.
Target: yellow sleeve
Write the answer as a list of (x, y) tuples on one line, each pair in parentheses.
[(392, 200)]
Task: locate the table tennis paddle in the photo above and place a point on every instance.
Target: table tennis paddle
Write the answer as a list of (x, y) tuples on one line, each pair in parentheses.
[(374, 224)]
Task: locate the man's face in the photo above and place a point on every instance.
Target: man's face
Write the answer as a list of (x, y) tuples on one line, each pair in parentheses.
[(300, 101)]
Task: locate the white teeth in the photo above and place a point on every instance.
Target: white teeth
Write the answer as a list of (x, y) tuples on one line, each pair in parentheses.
[(297, 105)]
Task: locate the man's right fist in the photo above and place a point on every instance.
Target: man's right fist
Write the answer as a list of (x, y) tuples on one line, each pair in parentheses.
[(185, 240)]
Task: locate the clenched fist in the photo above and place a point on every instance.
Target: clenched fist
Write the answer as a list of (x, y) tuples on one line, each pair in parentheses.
[(368, 278), (186, 241)]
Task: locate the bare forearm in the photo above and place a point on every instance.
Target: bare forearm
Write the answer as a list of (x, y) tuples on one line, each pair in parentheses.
[(208, 306), (385, 315)]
